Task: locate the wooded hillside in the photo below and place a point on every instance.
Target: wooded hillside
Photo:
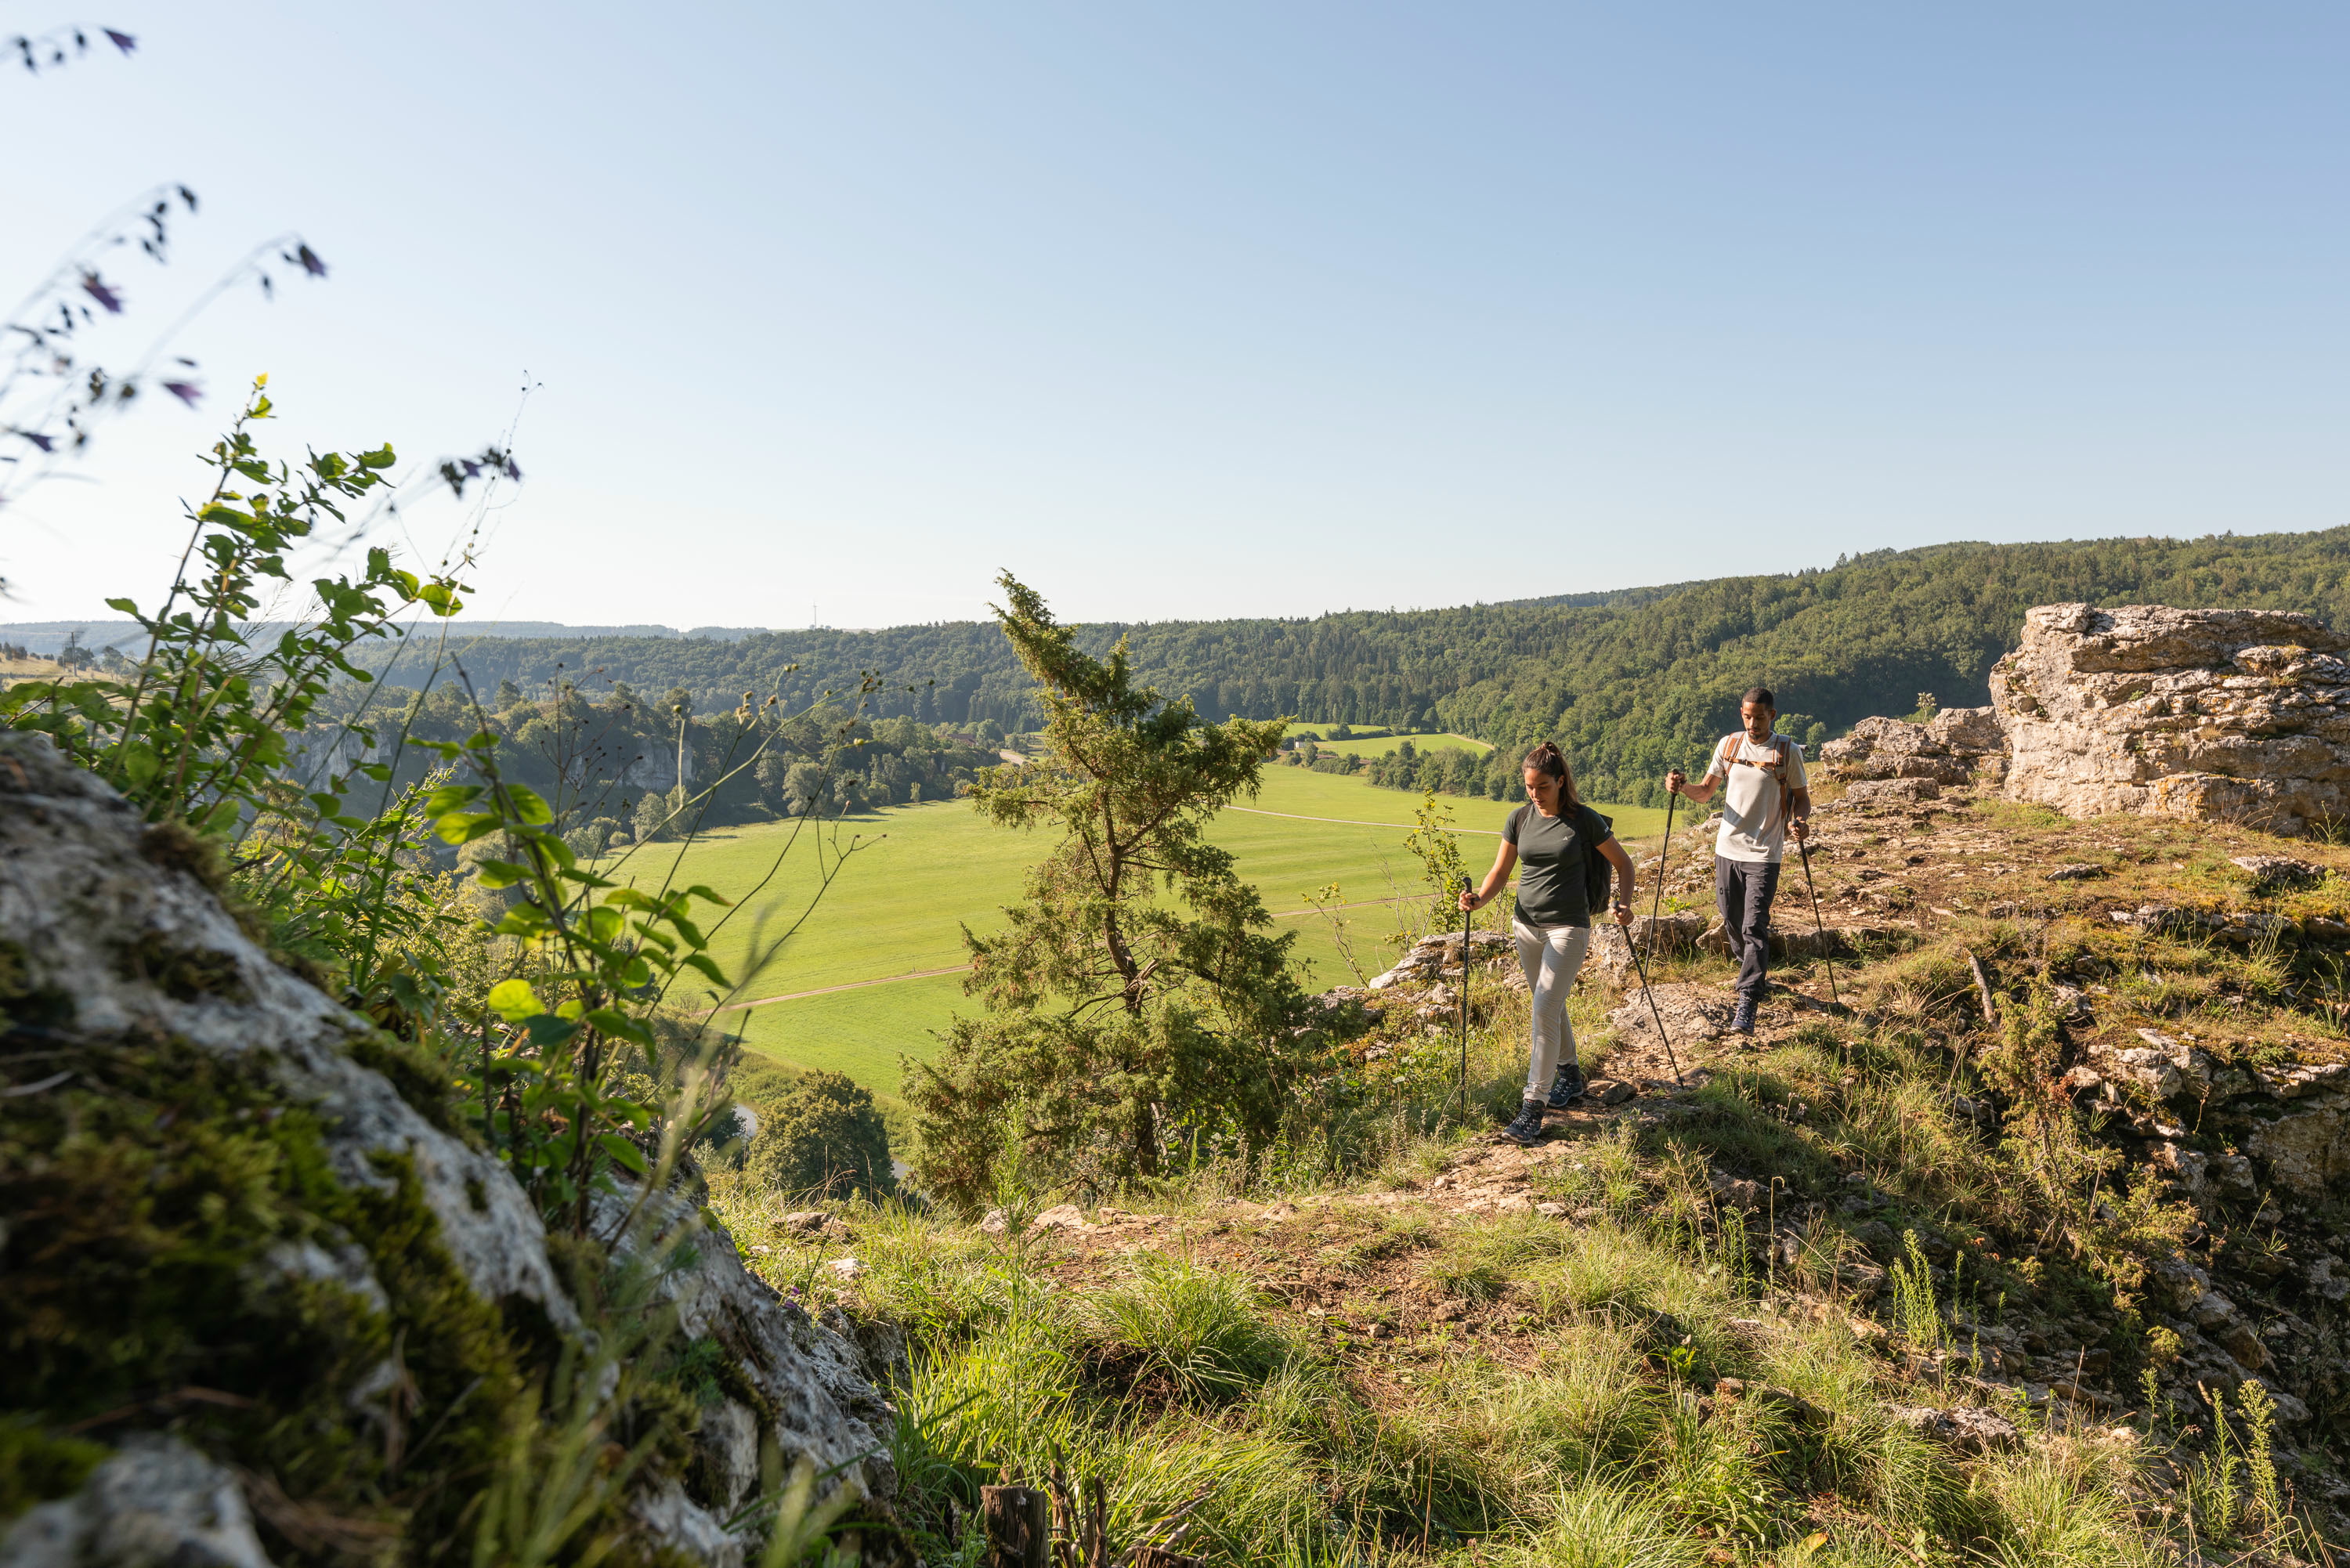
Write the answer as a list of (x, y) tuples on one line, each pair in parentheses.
[(1629, 682)]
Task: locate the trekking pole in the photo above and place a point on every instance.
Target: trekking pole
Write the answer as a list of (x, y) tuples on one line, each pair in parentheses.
[(1468, 919), (1664, 858), (1804, 846), (1655, 918), (1654, 1012)]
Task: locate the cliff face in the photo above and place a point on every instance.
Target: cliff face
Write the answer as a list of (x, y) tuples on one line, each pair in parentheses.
[(2232, 715), (263, 1299)]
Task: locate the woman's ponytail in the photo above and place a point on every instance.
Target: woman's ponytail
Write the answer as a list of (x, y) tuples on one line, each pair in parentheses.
[(1548, 759)]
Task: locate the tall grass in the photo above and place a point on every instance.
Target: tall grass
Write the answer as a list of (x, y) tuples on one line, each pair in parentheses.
[(1205, 1332), (1596, 1525)]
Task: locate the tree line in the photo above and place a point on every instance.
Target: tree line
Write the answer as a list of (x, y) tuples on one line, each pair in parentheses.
[(1628, 683)]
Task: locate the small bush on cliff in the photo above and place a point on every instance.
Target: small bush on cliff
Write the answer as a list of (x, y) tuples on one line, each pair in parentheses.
[(1119, 1024)]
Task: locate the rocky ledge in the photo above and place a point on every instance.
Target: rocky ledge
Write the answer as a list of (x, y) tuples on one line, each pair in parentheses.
[(265, 1296)]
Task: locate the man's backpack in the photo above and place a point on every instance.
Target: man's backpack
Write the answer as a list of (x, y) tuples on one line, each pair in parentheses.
[(1779, 748), (1592, 830)]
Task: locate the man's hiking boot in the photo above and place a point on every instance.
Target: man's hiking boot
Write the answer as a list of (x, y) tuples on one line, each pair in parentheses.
[(1566, 1087), (1743, 1022), (1527, 1128)]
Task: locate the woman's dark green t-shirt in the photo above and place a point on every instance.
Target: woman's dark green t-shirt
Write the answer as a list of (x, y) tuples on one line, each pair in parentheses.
[(1550, 867)]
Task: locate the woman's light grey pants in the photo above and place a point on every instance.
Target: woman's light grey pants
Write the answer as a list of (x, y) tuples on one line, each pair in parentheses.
[(1550, 956)]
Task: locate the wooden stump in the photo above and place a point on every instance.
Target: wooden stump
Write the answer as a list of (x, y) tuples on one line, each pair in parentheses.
[(1019, 1526), (1160, 1557)]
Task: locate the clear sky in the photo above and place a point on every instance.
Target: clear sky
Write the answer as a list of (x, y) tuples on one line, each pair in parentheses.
[(1203, 309)]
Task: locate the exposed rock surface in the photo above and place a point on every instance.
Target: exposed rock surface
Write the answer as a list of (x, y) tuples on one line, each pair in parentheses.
[(157, 1503), (1652, 937), (145, 951), (2235, 715), (1947, 749), (1690, 1011), (1879, 795), (111, 945)]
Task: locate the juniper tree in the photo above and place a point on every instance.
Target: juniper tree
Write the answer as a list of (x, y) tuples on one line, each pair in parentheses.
[(1135, 997)]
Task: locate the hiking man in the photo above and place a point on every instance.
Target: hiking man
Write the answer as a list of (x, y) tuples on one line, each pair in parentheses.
[(1768, 799)]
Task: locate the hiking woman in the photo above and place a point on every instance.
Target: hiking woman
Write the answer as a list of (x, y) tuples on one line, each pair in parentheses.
[(1556, 837)]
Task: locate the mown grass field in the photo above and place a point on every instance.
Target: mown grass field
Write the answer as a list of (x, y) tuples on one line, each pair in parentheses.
[(914, 876), (1380, 746)]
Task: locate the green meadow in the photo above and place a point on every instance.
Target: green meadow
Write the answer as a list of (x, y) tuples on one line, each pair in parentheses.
[(1381, 744), (905, 881)]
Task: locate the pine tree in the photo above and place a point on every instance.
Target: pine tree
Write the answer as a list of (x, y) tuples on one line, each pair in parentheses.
[(1118, 1022)]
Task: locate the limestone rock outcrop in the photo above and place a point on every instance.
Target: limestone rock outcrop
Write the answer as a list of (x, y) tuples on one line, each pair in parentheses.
[(157, 1501), (1950, 748), (2228, 715), (377, 1260)]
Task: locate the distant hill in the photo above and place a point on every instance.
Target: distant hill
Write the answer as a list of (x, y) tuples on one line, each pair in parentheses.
[(1629, 682), (47, 637)]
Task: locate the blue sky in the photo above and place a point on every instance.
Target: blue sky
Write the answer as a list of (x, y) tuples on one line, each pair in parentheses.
[(1219, 309)]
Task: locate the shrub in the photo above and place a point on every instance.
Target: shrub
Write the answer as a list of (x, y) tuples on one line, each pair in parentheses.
[(822, 1134)]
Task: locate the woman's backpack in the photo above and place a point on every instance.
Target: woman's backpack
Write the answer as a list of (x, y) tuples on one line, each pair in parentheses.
[(1592, 830)]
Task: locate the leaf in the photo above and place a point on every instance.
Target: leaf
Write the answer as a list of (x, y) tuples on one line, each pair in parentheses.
[(496, 874), (623, 1152), (125, 605), (708, 966), (530, 805), (464, 827), (140, 763), (620, 1026), (449, 797), (546, 1029), (522, 920), (514, 999), (698, 891), (629, 899)]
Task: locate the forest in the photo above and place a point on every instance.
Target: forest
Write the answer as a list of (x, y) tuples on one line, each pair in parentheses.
[(1628, 682), (616, 759)]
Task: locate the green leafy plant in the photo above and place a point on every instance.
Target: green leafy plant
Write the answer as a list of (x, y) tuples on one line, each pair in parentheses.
[(1436, 848), (602, 951), (1915, 1310)]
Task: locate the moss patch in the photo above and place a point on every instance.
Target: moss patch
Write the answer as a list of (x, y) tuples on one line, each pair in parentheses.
[(184, 974), (175, 1232)]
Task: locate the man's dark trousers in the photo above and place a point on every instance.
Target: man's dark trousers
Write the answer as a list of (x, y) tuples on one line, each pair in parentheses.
[(1743, 890)]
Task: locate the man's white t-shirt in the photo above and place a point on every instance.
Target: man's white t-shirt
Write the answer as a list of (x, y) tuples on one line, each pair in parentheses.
[(1754, 807)]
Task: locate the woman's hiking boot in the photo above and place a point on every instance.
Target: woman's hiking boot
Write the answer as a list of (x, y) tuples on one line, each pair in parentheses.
[(1743, 1021), (1566, 1087), (1527, 1128)]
